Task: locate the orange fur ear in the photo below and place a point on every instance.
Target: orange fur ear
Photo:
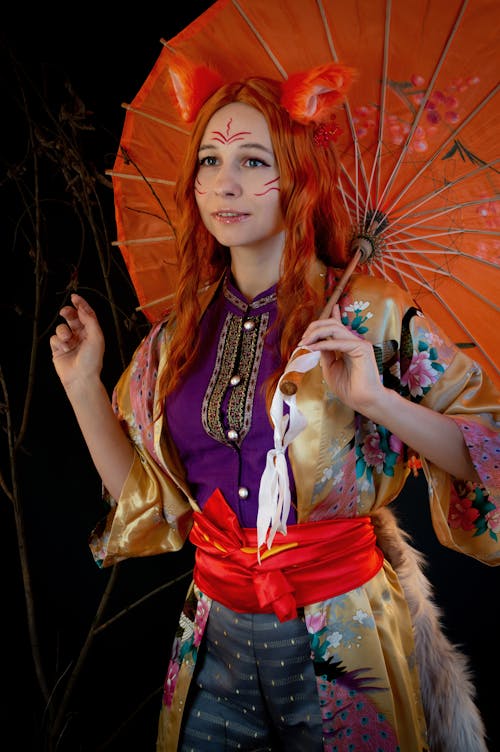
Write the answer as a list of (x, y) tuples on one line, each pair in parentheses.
[(192, 85), (311, 96)]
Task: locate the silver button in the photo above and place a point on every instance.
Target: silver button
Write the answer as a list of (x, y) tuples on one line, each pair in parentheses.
[(249, 326), (232, 435), (243, 492), (235, 380)]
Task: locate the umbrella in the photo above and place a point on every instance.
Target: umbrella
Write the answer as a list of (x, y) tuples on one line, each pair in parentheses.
[(420, 168)]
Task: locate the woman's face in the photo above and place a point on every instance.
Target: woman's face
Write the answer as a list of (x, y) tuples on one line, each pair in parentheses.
[(237, 185)]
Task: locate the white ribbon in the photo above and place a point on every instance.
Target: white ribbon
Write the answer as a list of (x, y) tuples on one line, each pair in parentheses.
[(274, 491)]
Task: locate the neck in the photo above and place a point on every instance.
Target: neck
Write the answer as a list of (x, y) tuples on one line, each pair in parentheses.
[(254, 272), (251, 285)]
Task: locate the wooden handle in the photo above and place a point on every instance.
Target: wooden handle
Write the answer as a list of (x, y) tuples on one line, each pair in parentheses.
[(339, 287)]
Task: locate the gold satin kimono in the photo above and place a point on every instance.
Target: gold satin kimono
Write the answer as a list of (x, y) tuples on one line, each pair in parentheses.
[(343, 465)]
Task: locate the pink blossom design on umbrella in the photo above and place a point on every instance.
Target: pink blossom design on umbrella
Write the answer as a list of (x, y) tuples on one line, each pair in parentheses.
[(442, 109)]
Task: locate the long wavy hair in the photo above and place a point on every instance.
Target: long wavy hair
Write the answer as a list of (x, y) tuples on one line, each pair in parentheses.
[(316, 226)]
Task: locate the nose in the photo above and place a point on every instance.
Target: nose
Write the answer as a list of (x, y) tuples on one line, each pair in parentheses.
[(226, 182)]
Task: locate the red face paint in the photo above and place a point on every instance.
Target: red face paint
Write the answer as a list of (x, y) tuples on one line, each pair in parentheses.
[(226, 138), (237, 183), (270, 187), (197, 187)]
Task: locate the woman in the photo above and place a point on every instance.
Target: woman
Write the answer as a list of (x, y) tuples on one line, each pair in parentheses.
[(302, 629)]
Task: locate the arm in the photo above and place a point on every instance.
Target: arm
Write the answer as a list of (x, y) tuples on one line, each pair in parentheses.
[(77, 351), (433, 435), (350, 370)]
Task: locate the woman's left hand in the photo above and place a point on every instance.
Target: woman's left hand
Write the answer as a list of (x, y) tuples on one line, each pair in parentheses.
[(347, 361)]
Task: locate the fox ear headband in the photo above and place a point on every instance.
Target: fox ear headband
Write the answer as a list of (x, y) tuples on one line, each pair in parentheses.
[(309, 97)]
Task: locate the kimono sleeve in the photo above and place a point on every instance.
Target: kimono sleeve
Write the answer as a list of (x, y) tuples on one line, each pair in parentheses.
[(153, 513), (465, 515)]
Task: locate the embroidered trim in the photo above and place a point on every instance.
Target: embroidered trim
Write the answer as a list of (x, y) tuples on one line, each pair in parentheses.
[(239, 351), (242, 305)]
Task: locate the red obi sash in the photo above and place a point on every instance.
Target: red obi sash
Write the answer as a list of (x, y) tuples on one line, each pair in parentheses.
[(312, 562)]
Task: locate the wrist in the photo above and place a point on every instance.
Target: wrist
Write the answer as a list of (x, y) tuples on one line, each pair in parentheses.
[(85, 389), (381, 406)]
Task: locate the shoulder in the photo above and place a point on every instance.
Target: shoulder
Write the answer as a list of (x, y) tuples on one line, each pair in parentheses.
[(376, 308), (147, 354), (379, 290), (367, 286), (156, 335)]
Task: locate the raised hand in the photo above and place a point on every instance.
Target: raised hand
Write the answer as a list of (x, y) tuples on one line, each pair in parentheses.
[(347, 361), (77, 351), (77, 345)]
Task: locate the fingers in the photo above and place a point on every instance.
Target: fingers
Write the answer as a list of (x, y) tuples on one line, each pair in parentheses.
[(79, 312), (64, 339), (336, 312), (333, 337), (324, 330), (60, 342), (77, 317), (81, 305)]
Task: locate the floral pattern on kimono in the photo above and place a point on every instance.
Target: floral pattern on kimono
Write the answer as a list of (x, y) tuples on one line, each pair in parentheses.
[(344, 465)]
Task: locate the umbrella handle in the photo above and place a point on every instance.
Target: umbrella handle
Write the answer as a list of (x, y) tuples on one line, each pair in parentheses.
[(339, 287), (363, 249)]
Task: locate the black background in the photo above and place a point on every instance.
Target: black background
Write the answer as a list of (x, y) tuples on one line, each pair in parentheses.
[(106, 58)]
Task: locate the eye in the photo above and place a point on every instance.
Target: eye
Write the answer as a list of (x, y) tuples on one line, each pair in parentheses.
[(255, 162), (207, 161)]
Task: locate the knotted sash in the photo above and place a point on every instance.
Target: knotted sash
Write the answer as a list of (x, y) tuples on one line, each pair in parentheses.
[(312, 562)]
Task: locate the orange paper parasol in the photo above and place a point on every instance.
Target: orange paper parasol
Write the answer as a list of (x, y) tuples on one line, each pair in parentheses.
[(419, 147)]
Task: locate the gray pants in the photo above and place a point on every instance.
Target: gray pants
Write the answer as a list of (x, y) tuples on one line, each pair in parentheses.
[(254, 689)]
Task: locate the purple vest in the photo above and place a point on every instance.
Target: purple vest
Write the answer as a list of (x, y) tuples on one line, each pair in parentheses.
[(217, 416)]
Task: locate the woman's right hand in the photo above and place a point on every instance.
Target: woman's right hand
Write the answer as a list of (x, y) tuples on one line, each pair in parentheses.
[(78, 344)]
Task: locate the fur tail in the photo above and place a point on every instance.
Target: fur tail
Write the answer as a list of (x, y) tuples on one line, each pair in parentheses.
[(453, 721)]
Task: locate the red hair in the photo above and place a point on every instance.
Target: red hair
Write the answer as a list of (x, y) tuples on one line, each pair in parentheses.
[(316, 224)]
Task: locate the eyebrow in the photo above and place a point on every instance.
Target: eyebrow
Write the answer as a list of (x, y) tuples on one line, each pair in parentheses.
[(249, 145)]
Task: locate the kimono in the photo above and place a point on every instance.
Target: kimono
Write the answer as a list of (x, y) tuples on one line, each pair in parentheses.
[(382, 640)]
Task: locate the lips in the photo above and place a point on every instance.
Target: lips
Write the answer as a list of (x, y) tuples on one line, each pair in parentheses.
[(229, 217)]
